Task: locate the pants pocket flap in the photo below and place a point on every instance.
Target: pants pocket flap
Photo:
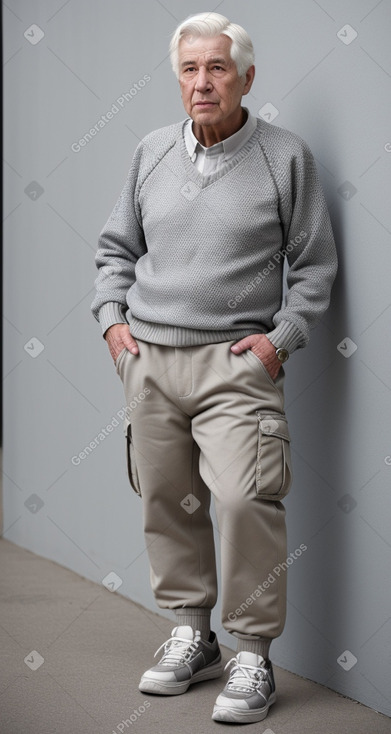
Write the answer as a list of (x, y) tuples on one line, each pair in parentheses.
[(273, 424)]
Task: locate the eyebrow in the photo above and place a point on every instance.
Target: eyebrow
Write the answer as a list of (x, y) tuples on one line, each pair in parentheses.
[(215, 60)]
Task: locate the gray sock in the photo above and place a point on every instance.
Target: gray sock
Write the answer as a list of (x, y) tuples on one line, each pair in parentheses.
[(259, 647), (196, 617)]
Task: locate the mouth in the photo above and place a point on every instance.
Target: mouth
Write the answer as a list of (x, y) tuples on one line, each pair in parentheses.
[(205, 104)]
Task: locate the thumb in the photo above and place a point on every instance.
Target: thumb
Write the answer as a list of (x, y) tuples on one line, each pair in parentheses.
[(243, 344)]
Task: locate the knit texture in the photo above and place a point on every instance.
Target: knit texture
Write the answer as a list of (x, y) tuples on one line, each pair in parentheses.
[(196, 617), (189, 259), (259, 647)]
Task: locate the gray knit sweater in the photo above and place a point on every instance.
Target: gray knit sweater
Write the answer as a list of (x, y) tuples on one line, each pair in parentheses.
[(188, 259)]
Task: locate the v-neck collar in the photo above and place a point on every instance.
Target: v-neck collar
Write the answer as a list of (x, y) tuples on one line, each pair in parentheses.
[(201, 180)]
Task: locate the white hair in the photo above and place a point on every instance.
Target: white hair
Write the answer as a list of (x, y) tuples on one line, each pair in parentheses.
[(213, 24)]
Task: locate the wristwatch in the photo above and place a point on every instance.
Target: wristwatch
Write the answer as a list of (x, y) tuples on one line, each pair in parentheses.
[(282, 354)]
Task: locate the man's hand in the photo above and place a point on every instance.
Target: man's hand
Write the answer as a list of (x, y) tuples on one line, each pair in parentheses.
[(118, 336), (263, 349)]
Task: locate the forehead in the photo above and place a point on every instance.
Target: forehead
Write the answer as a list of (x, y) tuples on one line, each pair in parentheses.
[(197, 48)]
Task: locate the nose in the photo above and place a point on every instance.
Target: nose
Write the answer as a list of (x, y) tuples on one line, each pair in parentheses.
[(203, 82)]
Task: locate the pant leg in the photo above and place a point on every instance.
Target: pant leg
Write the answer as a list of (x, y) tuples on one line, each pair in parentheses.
[(165, 467), (248, 472), (221, 393)]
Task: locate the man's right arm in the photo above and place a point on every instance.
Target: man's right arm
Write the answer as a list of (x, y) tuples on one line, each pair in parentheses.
[(121, 243)]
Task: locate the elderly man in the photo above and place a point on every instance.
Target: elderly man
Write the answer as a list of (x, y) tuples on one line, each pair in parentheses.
[(189, 298)]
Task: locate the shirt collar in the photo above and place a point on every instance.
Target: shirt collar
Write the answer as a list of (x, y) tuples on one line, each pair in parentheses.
[(229, 146)]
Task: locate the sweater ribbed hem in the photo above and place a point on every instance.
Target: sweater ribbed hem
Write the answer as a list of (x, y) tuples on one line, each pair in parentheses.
[(287, 336), (111, 313), (178, 336)]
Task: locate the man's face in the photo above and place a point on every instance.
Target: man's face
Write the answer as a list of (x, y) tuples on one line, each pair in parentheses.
[(210, 86)]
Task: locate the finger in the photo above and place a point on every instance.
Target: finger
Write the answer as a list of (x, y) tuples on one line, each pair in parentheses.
[(243, 344), (131, 344)]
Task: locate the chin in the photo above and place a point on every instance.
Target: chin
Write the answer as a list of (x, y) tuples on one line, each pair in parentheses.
[(205, 116)]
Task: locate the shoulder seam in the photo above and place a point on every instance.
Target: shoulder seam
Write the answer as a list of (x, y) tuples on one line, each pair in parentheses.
[(158, 159)]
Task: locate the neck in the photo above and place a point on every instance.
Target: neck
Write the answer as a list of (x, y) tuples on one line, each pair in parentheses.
[(209, 135)]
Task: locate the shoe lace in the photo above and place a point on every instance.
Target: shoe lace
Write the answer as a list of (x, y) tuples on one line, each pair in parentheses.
[(245, 677), (177, 650)]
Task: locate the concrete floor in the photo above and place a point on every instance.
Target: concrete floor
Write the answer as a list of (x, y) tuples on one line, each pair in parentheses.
[(95, 644)]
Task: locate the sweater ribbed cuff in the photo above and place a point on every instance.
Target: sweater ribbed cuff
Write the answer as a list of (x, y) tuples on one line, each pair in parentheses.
[(287, 336), (111, 313)]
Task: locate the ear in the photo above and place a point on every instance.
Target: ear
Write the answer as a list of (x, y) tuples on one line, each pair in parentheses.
[(250, 74)]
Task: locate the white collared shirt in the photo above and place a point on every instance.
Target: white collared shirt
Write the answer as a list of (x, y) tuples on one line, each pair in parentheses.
[(209, 160)]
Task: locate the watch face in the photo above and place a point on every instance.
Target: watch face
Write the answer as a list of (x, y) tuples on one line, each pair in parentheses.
[(282, 354)]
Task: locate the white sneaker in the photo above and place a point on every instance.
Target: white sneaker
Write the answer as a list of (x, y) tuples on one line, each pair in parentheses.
[(249, 692), (186, 659)]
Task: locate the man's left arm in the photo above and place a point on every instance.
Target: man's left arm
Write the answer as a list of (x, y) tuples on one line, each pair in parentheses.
[(311, 254)]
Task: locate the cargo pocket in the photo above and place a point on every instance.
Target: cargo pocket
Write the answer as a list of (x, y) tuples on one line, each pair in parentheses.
[(274, 465), (130, 458)]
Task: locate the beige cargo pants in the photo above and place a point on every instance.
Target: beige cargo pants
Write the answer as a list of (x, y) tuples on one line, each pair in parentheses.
[(199, 421)]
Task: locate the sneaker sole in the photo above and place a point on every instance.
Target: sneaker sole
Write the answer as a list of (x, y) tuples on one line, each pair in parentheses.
[(175, 688), (240, 716)]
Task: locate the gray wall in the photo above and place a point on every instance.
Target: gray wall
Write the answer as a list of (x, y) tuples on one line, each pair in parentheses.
[(60, 387)]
